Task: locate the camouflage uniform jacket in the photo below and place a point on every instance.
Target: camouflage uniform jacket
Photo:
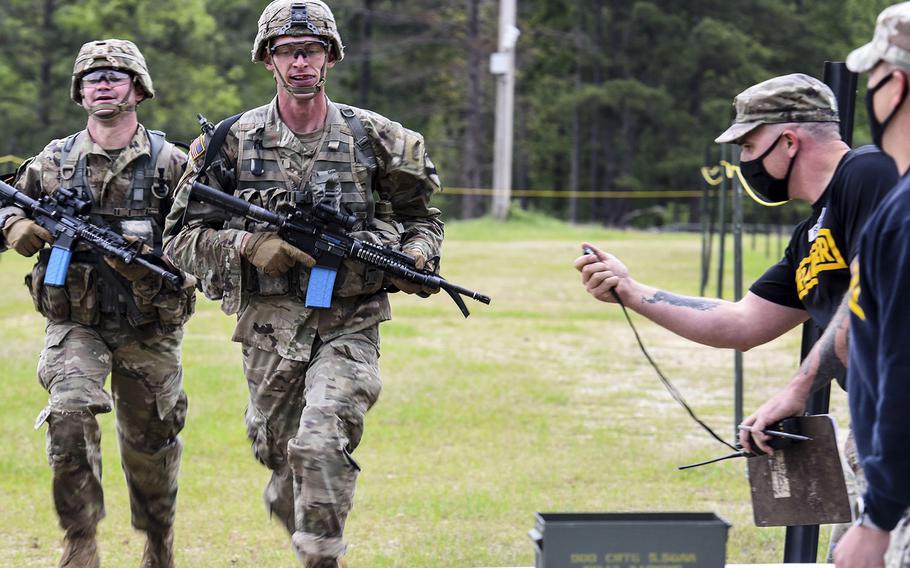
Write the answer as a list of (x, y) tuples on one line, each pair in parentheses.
[(109, 184), (272, 168)]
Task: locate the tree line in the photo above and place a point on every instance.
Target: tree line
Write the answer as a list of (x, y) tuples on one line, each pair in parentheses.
[(611, 95)]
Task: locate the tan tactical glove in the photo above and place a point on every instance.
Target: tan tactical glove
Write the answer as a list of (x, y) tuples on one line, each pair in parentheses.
[(131, 272), (273, 255), (25, 236), (412, 287)]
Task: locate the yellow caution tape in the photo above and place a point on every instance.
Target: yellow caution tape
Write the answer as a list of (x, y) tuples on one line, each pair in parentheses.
[(9, 158), (712, 175), (567, 194)]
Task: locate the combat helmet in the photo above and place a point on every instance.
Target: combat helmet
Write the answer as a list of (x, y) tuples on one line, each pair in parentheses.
[(287, 17), (111, 54)]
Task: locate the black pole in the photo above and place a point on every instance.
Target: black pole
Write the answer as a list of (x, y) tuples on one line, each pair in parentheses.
[(801, 544), (722, 216), (705, 224), (737, 195), (843, 83)]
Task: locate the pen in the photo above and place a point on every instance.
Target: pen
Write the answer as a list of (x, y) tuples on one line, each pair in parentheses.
[(778, 434)]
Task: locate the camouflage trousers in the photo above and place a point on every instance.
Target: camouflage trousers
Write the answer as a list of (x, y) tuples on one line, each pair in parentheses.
[(304, 420), (898, 553), (146, 382)]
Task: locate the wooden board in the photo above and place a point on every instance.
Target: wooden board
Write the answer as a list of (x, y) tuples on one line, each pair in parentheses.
[(804, 483)]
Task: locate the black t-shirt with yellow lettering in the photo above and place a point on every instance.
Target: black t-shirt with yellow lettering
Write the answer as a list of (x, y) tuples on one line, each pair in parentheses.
[(814, 273)]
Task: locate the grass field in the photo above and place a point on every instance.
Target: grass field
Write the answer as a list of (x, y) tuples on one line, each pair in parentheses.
[(539, 402)]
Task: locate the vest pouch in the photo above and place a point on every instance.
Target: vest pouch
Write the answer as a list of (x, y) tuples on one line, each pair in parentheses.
[(145, 292), (388, 231), (175, 306), (81, 287), (50, 301), (354, 202), (272, 285), (356, 278)]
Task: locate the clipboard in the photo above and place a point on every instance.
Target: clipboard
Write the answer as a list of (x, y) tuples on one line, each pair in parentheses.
[(802, 484)]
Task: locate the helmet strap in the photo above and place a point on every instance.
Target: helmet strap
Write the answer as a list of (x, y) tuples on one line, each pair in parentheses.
[(112, 110), (299, 91)]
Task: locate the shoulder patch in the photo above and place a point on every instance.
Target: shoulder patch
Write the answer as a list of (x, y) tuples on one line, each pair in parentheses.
[(197, 148)]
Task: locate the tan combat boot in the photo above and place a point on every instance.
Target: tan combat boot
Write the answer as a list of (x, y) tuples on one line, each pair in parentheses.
[(159, 549), (80, 550)]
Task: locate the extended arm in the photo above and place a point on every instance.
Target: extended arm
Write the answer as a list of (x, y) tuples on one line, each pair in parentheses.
[(826, 361), (719, 323), (196, 241), (408, 180)]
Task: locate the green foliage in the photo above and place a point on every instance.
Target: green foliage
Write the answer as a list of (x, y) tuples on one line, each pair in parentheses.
[(629, 92)]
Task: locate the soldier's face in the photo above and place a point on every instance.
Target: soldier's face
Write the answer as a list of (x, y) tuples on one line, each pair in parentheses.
[(886, 84), (105, 87), (301, 67), (757, 142)]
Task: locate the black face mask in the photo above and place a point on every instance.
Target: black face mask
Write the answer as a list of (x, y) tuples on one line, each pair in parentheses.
[(773, 189), (878, 128)]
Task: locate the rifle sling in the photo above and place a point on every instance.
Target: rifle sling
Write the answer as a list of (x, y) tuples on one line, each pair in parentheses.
[(217, 141)]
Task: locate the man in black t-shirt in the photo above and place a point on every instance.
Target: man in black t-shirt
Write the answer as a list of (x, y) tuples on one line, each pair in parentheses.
[(788, 130)]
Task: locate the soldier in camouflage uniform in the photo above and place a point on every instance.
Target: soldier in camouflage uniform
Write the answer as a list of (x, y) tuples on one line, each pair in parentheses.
[(109, 317), (312, 373)]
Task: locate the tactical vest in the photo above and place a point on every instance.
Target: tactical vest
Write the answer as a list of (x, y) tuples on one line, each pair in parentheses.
[(343, 169), (143, 201), (92, 288), (352, 161)]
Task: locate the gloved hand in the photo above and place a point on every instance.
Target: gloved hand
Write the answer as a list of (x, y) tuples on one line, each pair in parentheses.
[(273, 255), (132, 271), (412, 287), (25, 236)]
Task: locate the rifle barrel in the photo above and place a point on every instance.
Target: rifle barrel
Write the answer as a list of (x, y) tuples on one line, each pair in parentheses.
[(388, 261)]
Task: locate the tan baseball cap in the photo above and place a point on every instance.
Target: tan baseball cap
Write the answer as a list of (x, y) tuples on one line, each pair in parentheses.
[(789, 98), (890, 43)]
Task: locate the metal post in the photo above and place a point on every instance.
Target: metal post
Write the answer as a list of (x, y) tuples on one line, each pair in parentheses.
[(737, 291), (843, 83), (705, 241), (502, 65), (722, 216)]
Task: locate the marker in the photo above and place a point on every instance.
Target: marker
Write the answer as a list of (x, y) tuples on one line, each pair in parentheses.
[(778, 434)]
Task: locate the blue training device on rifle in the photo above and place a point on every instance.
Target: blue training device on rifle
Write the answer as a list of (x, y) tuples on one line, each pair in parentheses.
[(57, 266)]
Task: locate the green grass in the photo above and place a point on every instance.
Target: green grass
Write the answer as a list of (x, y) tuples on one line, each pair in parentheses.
[(539, 402)]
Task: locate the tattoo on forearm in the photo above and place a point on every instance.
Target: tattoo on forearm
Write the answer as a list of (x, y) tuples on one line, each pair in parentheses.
[(829, 365), (842, 335), (827, 360), (700, 304)]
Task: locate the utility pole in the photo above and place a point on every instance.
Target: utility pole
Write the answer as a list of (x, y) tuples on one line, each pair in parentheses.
[(502, 65)]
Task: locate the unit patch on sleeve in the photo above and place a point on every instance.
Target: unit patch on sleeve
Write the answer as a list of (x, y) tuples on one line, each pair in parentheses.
[(197, 148)]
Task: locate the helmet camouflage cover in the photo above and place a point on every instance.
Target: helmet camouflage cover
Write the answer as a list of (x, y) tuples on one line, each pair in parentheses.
[(286, 17), (111, 54)]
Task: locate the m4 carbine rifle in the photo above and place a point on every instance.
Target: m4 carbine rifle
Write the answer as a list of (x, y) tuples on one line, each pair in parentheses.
[(64, 216), (321, 232)]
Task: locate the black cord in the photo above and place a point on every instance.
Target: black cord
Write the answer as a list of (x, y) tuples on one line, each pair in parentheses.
[(739, 454), (666, 382)]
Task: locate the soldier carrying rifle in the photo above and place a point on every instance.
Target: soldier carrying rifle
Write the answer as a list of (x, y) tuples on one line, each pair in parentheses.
[(312, 367), (106, 316)]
